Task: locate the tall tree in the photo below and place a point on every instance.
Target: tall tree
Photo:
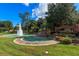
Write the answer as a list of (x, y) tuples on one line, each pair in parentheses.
[(59, 14), (25, 19)]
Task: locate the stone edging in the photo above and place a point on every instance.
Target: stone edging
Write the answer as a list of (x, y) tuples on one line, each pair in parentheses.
[(28, 43)]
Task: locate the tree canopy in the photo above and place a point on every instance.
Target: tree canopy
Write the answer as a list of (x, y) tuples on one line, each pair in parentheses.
[(6, 25), (60, 14)]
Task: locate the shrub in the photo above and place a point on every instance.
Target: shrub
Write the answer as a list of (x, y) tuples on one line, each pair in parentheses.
[(67, 40), (3, 29)]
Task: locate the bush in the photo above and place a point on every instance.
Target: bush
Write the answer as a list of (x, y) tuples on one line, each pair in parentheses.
[(67, 40), (3, 29)]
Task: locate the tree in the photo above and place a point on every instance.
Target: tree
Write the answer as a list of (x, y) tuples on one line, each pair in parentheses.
[(25, 19), (76, 17), (41, 23), (60, 14), (31, 25), (6, 24)]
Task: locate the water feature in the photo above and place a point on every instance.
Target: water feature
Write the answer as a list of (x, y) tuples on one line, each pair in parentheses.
[(35, 38), (30, 39), (26, 37), (20, 31)]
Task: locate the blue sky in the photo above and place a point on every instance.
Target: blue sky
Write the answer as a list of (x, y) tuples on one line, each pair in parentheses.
[(9, 11)]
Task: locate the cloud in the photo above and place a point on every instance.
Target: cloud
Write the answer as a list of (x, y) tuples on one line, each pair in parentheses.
[(40, 11), (43, 7), (26, 4)]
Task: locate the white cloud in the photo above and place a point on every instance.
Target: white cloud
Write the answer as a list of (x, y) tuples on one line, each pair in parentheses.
[(43, 7), (27, 4), (40, 11)]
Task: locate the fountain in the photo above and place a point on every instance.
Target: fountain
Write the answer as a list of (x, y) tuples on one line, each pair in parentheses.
[(20, 31), (32, 40), (29, 37)]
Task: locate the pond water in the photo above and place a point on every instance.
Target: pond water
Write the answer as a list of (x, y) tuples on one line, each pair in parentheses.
[(35, 38)]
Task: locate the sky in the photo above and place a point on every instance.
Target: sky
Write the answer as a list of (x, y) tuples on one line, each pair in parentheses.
[(10, 11)]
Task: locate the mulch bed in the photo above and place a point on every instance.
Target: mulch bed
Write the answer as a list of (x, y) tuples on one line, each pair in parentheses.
[(75, 42)]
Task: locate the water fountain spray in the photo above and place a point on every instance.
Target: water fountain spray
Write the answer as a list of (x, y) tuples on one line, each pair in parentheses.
[(20, 31)]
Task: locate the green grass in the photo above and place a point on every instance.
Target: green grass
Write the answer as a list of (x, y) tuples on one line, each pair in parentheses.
[(9, 48), (2, 33)]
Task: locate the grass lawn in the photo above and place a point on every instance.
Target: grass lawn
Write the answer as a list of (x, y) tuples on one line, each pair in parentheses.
[(9, 48)]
